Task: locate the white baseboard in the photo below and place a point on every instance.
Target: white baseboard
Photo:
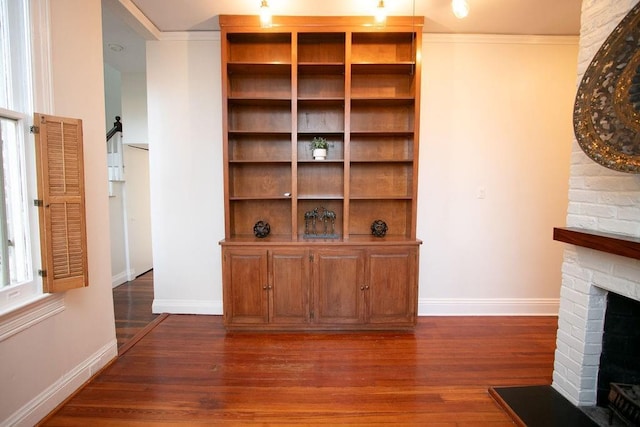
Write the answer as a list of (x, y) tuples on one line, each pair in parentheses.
[(426, 307), (41, 405), (176, 306), (488, 306), (122, 278), (119, 279)]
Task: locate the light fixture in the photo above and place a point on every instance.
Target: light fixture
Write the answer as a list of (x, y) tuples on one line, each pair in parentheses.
[(115, 47), (380, 13), (265, 14), (460, 8)]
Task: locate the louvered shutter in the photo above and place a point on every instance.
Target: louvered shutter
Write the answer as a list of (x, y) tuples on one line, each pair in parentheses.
[(63, 236)]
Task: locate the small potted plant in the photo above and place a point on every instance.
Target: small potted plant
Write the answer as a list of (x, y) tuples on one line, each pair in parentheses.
[(319, 147)]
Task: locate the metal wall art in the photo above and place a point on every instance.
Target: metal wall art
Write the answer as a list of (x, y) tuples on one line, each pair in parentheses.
[(320, 224), (261, 229), (379, 228), (606, 115)]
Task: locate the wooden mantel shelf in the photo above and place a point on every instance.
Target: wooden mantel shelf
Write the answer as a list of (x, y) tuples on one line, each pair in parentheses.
[(617, 244)]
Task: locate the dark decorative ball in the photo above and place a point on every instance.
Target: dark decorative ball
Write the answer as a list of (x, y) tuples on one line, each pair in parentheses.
[(379, 228), (261, 229)]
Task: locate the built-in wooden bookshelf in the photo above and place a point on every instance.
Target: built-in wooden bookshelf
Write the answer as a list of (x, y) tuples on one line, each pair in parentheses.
[(358, 86)]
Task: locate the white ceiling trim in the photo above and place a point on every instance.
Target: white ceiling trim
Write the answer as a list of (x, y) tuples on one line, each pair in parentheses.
[(133, 16), (500, 39), (189, 36)]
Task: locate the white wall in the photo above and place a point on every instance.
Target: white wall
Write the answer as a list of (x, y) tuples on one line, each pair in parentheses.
[(496, 115), (496, 118), (113, 108), (185, 158), (134, 108), (138, 210), (112, 96), (43, 364)]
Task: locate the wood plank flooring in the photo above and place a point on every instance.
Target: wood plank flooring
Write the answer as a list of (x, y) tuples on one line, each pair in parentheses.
[(132, 307), (189, 371)]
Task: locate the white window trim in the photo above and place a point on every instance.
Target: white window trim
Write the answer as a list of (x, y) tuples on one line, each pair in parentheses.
[(38, 308), (30, 313)]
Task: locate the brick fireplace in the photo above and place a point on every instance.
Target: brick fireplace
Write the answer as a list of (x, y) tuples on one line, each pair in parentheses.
[(604, 201)]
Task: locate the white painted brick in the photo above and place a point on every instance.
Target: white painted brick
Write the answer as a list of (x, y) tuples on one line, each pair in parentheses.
[(629, 213), (572, 342), (584, 196), (593, 349), (630, 228), (580, 311), (574, 208), (581, 285), (587, 382), (608, 183), (591, 359), (587, 398), (598, 211), (620, 199), (589, 168), (577, 271), (574, 378), (581, 221), (578, 182), (574, 296), (629, 270), (593, 338)]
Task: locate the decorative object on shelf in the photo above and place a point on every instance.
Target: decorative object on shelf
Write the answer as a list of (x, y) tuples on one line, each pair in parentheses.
[(320, 224), (379, 228), (261, 229), (319, 147), (606, 114)]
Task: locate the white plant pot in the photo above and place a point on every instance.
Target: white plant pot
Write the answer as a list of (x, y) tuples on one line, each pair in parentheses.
[(319, 153)]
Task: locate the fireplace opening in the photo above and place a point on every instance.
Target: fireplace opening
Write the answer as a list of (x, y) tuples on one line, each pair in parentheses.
[(620, 357)]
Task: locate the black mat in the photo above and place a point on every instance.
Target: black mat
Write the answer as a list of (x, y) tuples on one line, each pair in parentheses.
[(540, 406)]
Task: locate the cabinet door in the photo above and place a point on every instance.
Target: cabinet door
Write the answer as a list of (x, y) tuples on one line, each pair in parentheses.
[(245, 286), (289, 286), (338, 280), (391, 286)]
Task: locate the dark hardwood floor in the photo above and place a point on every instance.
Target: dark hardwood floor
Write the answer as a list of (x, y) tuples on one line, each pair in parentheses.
[(132, 307), (189, 371)]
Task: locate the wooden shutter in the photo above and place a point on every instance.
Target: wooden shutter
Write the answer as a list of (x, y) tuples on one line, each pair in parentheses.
[(63, 235)]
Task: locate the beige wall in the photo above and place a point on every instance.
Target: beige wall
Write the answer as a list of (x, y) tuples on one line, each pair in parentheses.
[(496, 116), (496, 119), (43, 364)]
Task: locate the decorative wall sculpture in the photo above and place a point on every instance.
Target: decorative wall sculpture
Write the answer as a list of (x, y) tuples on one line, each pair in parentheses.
[(606, 115)]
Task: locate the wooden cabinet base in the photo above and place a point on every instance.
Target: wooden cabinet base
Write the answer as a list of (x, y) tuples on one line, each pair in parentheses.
[(320, 287)]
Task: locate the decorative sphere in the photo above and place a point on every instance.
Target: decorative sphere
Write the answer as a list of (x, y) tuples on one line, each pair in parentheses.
[(379, 228), (261, 229)]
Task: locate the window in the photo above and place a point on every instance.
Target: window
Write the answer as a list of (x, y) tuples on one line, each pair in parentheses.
[(19, 253)]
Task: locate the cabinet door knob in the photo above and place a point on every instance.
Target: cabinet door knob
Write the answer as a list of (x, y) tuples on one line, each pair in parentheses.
[(264, 287), (362, 288)]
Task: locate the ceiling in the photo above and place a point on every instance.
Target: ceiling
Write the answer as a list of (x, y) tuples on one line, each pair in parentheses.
[(519, 17)]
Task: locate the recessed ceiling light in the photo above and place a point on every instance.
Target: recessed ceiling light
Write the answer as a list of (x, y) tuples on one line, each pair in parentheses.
[(115, 47)]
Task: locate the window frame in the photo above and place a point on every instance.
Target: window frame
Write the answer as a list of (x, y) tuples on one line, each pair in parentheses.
[(30, 311)]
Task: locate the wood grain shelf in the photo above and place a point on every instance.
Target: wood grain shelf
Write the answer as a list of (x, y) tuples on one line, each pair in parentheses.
[(617, 244), (359, 88)]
